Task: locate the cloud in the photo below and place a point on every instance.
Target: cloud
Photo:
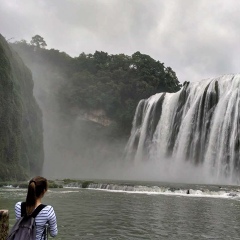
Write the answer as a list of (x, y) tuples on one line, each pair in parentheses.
[(198, 39)]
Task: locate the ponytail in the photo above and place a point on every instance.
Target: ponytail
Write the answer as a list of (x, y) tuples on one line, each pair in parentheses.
[(36, 188)]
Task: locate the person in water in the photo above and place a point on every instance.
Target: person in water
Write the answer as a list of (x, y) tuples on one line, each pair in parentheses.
[(37, 187)]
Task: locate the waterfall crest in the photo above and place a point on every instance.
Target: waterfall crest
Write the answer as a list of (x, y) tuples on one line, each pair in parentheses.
[(198, 126)]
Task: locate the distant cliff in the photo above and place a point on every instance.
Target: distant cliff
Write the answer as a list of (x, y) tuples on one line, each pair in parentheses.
[(21, 132)]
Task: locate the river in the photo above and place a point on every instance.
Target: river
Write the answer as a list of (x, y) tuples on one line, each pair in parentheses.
[(118, 214)]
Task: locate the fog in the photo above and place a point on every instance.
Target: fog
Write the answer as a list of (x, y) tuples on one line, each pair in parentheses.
[(167, 170), (73, 147), (80, 149), (77, 147)]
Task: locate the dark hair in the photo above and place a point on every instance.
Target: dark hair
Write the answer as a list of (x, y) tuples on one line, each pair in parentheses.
[(36, 187)]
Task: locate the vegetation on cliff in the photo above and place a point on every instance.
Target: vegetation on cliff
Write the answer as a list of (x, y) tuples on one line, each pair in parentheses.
[(21, 142), (114, 83)]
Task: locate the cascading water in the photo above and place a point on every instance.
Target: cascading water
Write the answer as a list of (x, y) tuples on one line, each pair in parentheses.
[(197, 126)]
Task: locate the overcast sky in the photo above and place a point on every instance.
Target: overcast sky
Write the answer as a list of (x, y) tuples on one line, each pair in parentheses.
[(197, 38)]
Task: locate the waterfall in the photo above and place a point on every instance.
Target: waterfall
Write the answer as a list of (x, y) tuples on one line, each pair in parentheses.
[(198, 126)]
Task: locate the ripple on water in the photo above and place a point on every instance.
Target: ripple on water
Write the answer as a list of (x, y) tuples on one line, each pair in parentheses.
[(85, 214)]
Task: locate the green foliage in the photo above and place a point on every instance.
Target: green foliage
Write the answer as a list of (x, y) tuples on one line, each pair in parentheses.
[(52, 184), (85, 184), (38, 41), (113, 83), (82, 183), (66, 181), (21, 143)]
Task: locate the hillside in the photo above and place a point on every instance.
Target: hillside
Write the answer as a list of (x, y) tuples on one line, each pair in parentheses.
[(21, 142)]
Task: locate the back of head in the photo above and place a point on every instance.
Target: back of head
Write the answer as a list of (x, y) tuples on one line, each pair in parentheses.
[(36, 188)]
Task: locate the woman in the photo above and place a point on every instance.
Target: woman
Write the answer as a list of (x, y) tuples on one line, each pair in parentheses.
[(36, 190)]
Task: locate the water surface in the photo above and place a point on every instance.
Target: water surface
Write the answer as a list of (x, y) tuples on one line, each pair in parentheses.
[(98, 214)]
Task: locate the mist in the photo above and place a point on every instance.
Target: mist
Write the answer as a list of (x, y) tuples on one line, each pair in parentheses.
[(82, 142), (80, 148), (168, 170), (71, 153), (74, 148)]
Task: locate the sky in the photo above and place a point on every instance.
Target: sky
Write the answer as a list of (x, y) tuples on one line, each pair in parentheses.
[(198, 39)]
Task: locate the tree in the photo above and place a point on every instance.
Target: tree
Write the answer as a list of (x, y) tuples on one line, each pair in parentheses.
[(38, 41), (113, 83)]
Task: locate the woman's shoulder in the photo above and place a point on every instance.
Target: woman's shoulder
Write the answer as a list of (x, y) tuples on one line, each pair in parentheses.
[(47, 208), (18, 205), (47, 211)]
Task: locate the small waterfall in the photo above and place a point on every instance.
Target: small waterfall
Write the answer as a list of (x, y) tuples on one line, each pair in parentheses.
[(197, 126)]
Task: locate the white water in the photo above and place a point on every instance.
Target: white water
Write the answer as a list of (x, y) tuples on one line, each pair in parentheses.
[(206, 145)]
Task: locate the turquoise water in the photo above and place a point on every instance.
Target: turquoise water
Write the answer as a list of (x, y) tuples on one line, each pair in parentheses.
[(100, 214)]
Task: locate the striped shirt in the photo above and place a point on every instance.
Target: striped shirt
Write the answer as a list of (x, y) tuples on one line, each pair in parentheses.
[(46, 215)]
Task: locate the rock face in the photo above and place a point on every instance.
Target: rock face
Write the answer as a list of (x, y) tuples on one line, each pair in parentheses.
[(98, 116), (21, 142)]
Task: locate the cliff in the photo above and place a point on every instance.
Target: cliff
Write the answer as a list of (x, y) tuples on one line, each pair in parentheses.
[(21, 132)]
